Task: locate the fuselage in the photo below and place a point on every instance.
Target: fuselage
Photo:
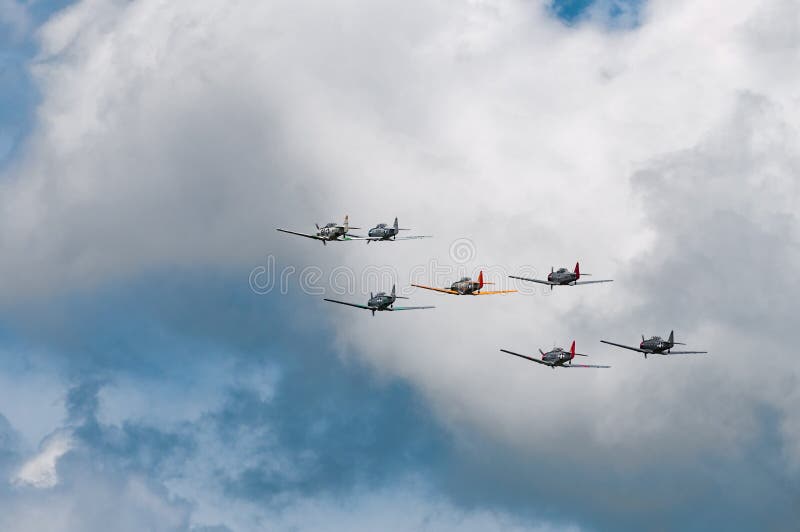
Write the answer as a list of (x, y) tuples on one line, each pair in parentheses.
[(562, 276), (656, 344), (331, 231), (465, 286), (383, 231), (381, 301), (557, 356)]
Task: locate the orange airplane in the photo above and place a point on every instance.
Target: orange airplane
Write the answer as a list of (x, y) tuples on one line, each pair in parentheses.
[(466, 287)]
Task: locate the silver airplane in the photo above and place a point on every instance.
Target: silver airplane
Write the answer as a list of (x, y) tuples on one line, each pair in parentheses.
[(466, 287), (386, 233), (557, 358), (331, 232), (657, 346), (380, 302), (563, 277)]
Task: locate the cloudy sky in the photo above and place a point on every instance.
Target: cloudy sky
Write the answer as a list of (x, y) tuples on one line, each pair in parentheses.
[(167, 362)]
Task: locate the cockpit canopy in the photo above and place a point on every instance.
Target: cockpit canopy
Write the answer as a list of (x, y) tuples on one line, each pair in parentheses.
[(381, 226), (331, 224), (379, 294), (657, 338), (464, 279), (562, 270)]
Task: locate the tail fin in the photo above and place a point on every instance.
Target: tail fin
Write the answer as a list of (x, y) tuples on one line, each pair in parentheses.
[(346, 223), (480, 280), (577, 271), (572, 350), (672, 337), (396, 225), (393, 292)]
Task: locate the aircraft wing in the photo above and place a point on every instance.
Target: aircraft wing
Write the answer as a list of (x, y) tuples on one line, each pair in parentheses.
[(482, 293), (379, 239), (412, 237), (348, 304), (532, 280), (409, 308), (584, 366), (315, 237), (593, 282), (626, 347), (538, 361), (685, 353), (443, 290)]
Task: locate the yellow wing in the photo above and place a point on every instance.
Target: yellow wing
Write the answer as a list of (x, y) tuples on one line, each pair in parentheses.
[(443, 290), (482, 293)]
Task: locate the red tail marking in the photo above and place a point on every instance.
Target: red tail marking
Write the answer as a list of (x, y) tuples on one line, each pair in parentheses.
[(572, 350), (480, 280), (577, 271)]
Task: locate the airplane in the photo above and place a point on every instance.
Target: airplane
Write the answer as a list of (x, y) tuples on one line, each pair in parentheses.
[(657, 346), (385, 233), (563, 277), (557, 358), (466, 287), (380, 302), (331, 232)]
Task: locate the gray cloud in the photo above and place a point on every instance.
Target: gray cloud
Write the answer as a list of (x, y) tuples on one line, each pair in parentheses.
[(664, 157)]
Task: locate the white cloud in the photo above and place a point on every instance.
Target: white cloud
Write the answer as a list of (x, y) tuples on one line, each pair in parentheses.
[(40, 470), (94, 501), (182, 133)]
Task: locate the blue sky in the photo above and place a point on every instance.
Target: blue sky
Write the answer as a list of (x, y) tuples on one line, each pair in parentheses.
[(573, 11), (18, 95), (174, 383)]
